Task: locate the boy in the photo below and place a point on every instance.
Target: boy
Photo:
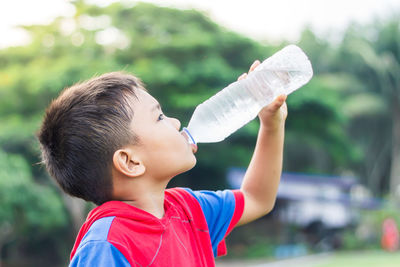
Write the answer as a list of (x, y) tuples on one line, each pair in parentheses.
[(107, 141)]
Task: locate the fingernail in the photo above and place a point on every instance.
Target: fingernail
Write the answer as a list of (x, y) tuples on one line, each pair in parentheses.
[(242, 76)]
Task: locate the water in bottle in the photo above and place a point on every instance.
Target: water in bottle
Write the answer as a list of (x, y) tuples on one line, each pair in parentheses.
[(240, 102)]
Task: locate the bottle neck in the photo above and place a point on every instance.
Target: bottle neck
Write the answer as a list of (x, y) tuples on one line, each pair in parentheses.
[(190, 138)]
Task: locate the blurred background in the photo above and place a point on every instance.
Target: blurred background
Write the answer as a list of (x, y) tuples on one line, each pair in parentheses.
[(340, 191)]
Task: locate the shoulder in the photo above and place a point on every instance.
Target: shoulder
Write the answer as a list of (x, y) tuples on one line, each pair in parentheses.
[(98, 231), (179, 194), (106, 230), (205, 198), (185, 199), (95, 250)]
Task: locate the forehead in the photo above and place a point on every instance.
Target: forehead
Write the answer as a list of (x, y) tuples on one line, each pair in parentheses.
[(146, 98), (143, 113), (144, 102)]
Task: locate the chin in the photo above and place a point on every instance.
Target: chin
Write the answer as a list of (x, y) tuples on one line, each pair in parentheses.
[(193, 162), (189, 165)]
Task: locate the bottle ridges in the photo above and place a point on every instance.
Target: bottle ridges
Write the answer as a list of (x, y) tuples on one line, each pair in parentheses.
[(240, 102)]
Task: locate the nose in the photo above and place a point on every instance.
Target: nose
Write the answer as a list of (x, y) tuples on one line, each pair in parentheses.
[(176, 123)]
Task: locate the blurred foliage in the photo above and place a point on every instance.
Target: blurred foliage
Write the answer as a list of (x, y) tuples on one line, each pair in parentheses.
[(29, 211), (372, 56), (368, 233), (339, 123)]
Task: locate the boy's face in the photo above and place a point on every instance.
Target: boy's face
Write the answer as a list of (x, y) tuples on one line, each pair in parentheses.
[(163, 150)]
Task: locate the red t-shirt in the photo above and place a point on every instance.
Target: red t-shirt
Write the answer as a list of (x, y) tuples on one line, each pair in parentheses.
[(191, 232)]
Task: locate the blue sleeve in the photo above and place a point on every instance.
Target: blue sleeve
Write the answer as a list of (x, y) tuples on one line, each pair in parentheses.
[(218, 208), (99, 254)]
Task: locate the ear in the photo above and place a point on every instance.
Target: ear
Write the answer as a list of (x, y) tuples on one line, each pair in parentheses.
[(125, 162)]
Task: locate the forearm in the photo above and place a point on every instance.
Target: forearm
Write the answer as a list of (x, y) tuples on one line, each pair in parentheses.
[(261, 181)]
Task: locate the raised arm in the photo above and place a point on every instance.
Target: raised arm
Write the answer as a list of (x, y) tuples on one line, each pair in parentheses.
[(261, 181)]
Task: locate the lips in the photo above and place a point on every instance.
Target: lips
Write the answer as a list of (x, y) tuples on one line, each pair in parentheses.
[(193, 146)]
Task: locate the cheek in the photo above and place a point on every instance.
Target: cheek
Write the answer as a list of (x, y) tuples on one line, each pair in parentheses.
[(168, 148), (173, 141)]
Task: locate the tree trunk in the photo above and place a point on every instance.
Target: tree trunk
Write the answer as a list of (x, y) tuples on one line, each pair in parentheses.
[(395, 161), (377, 166), (5, 234), (1, 257)]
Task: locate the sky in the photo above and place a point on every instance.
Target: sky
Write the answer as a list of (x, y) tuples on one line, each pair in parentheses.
[(263, 20)]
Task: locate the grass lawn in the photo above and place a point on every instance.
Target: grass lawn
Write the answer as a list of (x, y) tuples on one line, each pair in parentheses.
[(362, 259), (372, 258)]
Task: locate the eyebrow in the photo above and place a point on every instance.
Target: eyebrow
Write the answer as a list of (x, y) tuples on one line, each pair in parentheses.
[(155, 107)]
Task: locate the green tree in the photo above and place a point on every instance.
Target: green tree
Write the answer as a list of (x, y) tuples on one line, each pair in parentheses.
[(316, 138), (372, 54), (25, 205)]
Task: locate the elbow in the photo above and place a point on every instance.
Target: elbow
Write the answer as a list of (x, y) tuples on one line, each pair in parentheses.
[(269, 207), (258, 206), (265, 207)]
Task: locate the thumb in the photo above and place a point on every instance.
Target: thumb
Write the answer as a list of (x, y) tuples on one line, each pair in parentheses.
[(278, 102)]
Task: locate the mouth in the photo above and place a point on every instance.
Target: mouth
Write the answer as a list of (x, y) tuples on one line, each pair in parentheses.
[(188, 141), (194, 148)]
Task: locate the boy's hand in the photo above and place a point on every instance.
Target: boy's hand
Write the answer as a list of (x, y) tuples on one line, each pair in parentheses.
[(273, 116)]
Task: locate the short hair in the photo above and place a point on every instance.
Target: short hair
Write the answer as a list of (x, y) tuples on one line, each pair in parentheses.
[(82, 129)]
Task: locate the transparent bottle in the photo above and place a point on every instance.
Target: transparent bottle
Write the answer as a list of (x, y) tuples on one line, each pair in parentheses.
[(241, 101)]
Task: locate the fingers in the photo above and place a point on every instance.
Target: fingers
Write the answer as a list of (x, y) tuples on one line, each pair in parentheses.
[(254, 65), (278, 102), (243, 76), (282, 98)]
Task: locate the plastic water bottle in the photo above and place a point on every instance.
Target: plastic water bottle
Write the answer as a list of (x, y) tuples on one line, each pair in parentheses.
[(241, 101)]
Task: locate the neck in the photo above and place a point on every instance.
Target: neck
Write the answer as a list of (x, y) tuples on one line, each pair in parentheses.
[(146, 196), (151, 203)]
